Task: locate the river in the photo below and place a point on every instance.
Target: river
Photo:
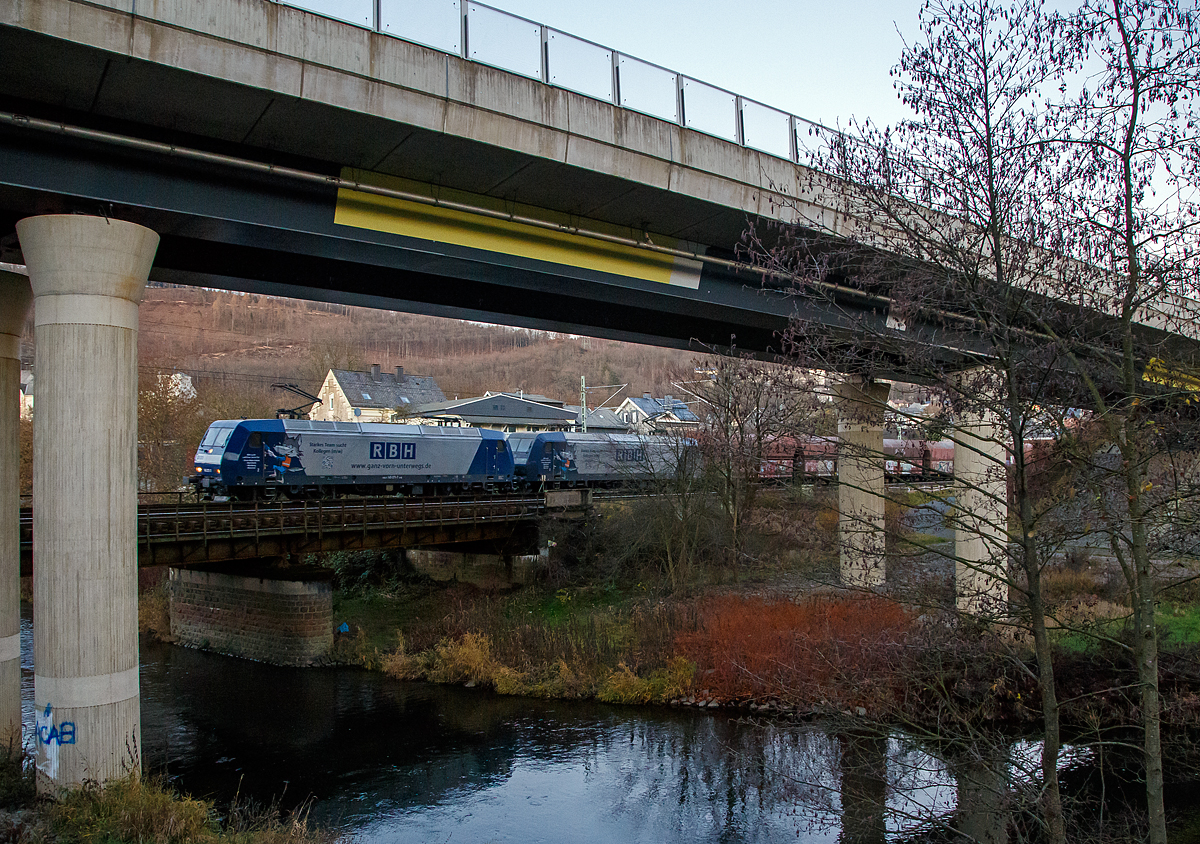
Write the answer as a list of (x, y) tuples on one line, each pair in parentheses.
[(391, 761)]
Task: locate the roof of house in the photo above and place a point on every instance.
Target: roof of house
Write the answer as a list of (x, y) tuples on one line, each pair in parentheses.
[(362, 390), (517, 394), (600, 418), (500, 409), (651, 406)]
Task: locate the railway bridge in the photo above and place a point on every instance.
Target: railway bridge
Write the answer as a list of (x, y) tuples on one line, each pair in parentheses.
[(239, 583), (201, 533), (481, 167)]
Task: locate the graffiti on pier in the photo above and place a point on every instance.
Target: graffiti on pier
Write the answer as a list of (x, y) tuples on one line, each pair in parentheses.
[(51, 737)]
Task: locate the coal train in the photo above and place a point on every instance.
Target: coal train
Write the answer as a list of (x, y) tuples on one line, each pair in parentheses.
[(297, 458), (803, 459)]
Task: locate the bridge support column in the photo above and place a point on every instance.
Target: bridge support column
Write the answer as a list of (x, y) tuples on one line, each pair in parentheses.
[(15, 299), (981, 497), (88, 274), (283, 616), (860, 405)]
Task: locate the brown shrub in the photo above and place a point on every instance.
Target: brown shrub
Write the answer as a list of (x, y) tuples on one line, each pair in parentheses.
[(154, 613), (835, 651)]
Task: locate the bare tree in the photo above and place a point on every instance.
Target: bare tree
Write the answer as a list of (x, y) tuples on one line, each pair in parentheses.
[(1031, 257), (675, 518), (746, 406), (1135, 156), (944, 248)]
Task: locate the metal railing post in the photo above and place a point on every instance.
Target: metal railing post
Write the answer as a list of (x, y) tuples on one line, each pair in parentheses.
[(616, 78), (680, 106), (545, 32), (466, 49)]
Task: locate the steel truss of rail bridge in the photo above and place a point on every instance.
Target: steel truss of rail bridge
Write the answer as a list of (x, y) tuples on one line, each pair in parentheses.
[(197, 533)]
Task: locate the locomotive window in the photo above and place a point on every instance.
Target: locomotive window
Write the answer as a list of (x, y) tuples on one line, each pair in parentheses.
[(255, 440), (500, 448), (549, 448), (216, 437)]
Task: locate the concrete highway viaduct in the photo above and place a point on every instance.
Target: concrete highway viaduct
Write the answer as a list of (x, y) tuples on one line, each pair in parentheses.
[(249, 145)]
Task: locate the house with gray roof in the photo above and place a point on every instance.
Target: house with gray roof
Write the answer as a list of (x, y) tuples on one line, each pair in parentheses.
[(649, 415), (374, 396), (600, 420), (499, 411)]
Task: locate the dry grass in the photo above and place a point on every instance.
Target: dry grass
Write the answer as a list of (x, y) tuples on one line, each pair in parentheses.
[(144, 811), (566, 645), (154, 614), (669, 683), (129, 809), (1064, 585)]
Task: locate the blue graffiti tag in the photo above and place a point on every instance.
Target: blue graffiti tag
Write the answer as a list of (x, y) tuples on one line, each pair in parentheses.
[(49, 733)]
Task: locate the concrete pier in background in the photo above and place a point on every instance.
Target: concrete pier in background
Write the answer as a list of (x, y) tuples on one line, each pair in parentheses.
[(981, 531), (860, 406), (15, 299), (87, 274)]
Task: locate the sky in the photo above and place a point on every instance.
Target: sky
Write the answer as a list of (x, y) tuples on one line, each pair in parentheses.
[(825, 60)]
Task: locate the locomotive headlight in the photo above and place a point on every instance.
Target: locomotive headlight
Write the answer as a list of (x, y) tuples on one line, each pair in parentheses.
[(198, 470)]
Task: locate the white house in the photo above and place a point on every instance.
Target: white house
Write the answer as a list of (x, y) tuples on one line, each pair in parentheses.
[(649, 415), (26, 394), (374, 396)]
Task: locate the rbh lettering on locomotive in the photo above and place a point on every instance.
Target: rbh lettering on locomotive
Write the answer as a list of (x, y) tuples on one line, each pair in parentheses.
[(393, 451)]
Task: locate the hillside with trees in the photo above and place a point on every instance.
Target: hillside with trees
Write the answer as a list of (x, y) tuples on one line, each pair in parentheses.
[(234, 347), (244, 339)]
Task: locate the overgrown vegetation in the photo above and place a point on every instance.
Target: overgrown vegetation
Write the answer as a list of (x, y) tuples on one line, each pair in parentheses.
[(612, 625), (136, 810)]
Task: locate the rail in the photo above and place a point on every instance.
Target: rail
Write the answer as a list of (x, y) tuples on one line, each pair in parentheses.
[(202, 522)]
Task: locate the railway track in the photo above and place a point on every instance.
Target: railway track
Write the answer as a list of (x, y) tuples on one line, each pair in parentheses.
[(235, 529)]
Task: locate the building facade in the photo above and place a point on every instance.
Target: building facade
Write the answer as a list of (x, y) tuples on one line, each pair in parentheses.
[(374, 396)]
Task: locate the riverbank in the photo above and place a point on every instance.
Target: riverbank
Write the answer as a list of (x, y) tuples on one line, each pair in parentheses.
[(138, 810), (766, 629), (779, 642)]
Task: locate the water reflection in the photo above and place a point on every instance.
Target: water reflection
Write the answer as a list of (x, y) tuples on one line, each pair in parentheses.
[(396, 762)]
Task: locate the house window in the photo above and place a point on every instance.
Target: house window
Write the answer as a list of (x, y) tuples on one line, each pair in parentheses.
[(366, 396)]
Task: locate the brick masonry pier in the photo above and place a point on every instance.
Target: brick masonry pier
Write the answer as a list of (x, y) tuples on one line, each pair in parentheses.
[(280, 616)]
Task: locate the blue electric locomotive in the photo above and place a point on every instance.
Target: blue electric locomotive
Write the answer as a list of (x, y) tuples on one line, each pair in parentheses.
[(266, 458)]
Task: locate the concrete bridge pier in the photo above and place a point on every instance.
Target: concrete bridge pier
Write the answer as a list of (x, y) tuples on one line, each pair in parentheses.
[(860, 405), (88, 274), (981, 496), (15, 299)]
